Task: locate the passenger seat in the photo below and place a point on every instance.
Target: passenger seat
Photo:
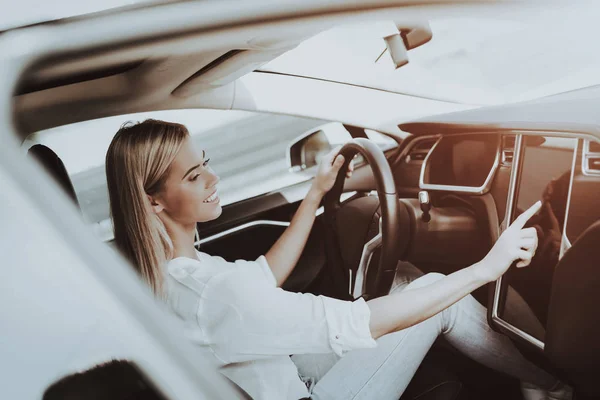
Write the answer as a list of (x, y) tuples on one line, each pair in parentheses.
[(55, 167)]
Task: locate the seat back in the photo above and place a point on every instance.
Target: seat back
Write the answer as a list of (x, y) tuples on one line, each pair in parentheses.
[(573, 329), (55, 167)]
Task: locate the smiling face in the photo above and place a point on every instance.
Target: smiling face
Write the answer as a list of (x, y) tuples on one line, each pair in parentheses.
[(189, 194)]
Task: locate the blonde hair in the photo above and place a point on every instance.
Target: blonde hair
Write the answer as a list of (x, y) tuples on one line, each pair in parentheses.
[(137, 164)]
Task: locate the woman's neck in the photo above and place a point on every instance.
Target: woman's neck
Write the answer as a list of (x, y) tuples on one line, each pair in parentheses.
[(183, 238)]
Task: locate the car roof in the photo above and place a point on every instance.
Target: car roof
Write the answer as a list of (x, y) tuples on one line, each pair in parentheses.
[(456, 66), (164, 56), (32, 12)]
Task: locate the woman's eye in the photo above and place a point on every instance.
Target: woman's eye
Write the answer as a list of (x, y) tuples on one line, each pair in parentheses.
[(193, 178), (205, 163)]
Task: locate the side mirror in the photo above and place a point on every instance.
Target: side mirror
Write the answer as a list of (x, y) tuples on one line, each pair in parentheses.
[(305, 152)]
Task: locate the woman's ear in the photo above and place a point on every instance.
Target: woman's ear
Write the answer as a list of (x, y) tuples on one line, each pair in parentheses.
[(156, 206)]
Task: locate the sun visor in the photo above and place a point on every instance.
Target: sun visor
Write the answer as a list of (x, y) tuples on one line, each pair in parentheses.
[(230, 66)]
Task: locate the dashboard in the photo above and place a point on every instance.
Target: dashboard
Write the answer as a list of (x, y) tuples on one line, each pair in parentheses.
[(515, 170), (463, 164)]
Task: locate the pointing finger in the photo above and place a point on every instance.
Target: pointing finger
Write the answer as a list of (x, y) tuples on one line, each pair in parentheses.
[(523, 218)]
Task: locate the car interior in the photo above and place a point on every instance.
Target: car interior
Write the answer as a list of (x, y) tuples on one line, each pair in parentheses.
[(439, 199)]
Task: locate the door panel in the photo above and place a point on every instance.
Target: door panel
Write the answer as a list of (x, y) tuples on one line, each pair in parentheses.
[(248, 229)]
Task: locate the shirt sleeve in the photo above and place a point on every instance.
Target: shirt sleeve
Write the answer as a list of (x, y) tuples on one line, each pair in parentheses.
[(265, 268), (261, 320)]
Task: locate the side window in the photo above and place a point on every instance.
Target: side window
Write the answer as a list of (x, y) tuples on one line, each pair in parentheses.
[(247, 150), (383, 141)]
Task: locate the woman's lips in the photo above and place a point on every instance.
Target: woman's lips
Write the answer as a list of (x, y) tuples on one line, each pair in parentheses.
[(213, 198)]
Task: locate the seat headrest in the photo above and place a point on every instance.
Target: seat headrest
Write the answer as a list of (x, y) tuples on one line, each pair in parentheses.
[(55, 167)]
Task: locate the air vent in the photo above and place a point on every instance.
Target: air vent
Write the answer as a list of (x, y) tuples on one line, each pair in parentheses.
[(591, 158), (419, 151), (508, 150), (594, 164), (594, 147)]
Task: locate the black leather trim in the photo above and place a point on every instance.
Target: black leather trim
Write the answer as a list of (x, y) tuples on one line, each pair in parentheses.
[(243, 211), (55, 167), (573, 328)]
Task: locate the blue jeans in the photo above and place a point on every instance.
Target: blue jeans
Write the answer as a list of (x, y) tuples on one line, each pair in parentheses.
[(385, 371)]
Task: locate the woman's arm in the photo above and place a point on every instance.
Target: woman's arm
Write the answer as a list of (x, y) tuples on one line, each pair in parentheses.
[(284, 254), (401, 310), (258, 320)]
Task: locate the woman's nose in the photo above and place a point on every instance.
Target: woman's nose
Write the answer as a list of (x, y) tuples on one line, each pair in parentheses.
[(213, 179)]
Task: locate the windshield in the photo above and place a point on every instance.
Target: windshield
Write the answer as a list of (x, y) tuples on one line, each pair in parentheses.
[(477, 60)]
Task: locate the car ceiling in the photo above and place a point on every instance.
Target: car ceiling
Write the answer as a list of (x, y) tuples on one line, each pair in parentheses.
[(175, 55)]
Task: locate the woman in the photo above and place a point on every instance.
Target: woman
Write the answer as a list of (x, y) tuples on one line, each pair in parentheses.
[(160, 188)]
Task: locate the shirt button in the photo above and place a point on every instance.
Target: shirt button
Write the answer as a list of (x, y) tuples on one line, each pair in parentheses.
[(337, 336)]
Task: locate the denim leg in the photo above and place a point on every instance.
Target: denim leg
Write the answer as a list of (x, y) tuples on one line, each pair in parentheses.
[(313, 367), (405, 274), (385, 371), (382, 372), (472, 335)]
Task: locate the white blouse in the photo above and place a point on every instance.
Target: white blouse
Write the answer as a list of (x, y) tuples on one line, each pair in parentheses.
[(251, 326)]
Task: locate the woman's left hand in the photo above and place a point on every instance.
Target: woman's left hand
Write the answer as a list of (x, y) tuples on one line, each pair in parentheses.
[(328, 170)]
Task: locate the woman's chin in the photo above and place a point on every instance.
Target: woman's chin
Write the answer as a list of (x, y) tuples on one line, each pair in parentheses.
[(218, 211), (212, 213)]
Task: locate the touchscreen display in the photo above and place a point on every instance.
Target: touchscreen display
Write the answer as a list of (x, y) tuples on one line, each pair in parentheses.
[(544, 174)]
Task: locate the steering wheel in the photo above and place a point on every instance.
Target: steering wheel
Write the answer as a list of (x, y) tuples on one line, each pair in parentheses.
[(391, 228)]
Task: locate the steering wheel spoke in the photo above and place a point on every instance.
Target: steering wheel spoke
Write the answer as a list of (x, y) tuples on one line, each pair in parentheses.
[(393, 226), (359, 284)]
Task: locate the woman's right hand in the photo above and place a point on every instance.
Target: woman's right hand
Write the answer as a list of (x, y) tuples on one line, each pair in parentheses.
[(515, 243)]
